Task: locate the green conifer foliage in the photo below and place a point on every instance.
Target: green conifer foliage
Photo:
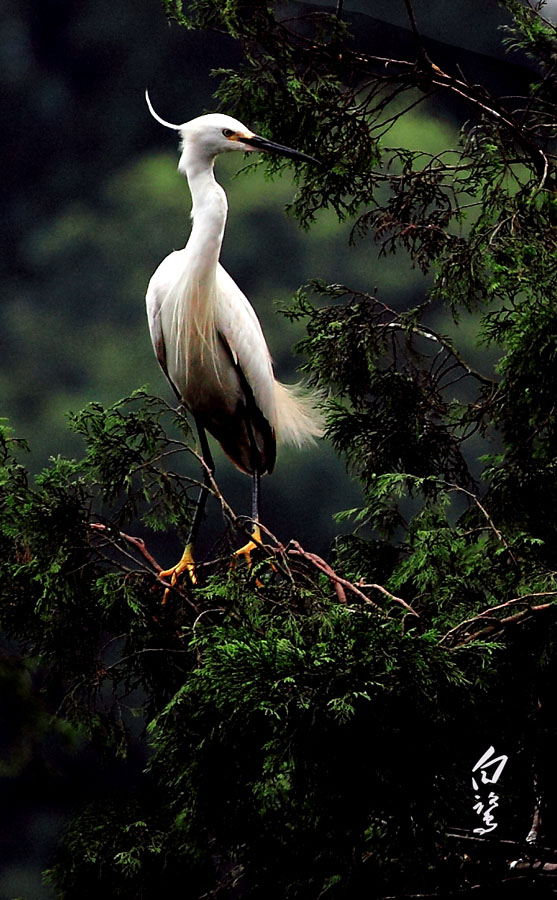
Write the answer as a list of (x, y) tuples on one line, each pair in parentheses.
[(312, 724)]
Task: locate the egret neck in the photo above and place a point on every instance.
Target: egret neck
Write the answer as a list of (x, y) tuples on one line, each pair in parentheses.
[(209, 211), (196, 307)]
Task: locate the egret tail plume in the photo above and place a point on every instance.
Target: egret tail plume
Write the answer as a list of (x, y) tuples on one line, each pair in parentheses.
[(299, 422)]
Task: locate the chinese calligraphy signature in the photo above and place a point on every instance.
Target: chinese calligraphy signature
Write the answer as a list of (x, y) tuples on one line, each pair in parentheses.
[(486, 773)]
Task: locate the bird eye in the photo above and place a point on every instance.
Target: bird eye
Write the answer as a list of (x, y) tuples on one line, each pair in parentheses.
[(227, 132)]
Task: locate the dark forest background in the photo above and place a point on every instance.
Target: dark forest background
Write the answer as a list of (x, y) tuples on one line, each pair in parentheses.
[(92, 203)]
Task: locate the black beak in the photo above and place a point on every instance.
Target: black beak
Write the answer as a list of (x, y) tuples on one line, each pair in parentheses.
[(259, 143)]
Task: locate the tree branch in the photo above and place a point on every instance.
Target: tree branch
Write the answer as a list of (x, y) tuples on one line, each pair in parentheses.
[(489, 614), (137, 543), (297, 550)]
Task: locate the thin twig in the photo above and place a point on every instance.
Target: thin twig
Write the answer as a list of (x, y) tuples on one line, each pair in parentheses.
[(432, 335), (139, 652), (136, 542), (483, 510), (383, 590), (422, 54)]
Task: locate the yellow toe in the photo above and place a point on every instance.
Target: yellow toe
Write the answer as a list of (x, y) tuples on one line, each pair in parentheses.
[(185, 564), (248, 548)]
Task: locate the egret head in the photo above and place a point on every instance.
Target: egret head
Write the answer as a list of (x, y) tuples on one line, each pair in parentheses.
[(207, 136)]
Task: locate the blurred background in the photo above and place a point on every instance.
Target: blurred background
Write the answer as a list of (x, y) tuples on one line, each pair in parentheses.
[(92, 203)]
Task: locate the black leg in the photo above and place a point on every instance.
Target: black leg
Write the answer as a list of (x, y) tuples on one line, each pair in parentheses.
[(186, 563), (256, 477), (255, 494), (204, 491), (248, 548)]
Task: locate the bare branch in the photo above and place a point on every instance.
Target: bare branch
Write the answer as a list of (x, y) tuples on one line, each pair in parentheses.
[(136, 542), (297, 550), (489, 614)]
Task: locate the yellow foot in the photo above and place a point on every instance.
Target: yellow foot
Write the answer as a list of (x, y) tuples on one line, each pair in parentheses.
[(248, 548), (186, 564)]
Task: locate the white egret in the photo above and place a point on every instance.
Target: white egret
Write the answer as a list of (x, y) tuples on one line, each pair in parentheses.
[(207, 337)]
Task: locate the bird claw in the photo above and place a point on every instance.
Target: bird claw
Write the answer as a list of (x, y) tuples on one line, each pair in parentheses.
[(185, 564), (248, 548)]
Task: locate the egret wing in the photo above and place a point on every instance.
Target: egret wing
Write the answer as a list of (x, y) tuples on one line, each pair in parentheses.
[(240, 328), (157, 292)]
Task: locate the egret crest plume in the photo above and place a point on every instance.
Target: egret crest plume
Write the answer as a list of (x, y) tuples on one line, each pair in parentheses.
[(156, 115)]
